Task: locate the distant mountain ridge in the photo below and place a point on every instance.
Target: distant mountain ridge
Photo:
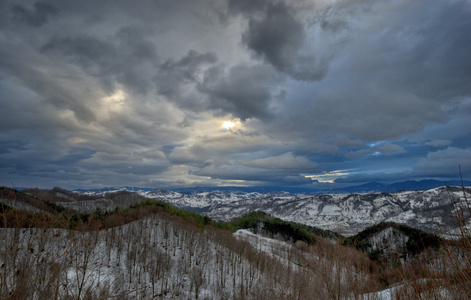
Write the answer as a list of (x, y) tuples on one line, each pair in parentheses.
[(371, 187), (347, 213), (408, 185)]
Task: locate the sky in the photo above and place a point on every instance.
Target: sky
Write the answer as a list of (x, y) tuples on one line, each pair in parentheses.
[(184, 93)]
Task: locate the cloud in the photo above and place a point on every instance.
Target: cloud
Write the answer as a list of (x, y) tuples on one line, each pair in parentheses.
[(153, 154), (390, 149), (389, 76), (385, 149), (37, 16), (438, 143), (444, 163), (286, 161), (128, 59), (247, 6), (276, 37), (178, 80), (254, 175), (221, 146), (101, 94), (244, 91), (373, 177), (276, 34), (187, 155)]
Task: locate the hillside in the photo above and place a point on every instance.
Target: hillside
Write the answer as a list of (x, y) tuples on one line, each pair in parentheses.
[(151, 250), (389, 242), (431, 210), (154, 250)]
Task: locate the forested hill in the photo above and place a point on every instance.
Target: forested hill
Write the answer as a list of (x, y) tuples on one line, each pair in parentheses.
[(151, 249)]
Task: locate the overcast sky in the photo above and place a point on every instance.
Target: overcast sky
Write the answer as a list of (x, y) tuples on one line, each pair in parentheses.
[(240, 92)]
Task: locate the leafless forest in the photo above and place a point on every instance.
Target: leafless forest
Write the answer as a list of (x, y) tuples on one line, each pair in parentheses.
[(149, 252)]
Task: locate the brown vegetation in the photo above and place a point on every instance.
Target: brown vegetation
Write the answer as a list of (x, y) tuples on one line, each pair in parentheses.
[(153, 251)]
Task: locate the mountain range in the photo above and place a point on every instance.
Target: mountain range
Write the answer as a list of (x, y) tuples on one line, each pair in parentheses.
[(432, 210), (409, 185)]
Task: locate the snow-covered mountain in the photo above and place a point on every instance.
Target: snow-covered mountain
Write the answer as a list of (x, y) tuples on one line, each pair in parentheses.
[(430, 210)]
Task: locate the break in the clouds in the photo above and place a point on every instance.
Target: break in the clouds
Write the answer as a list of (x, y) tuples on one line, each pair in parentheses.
[(205, 93)]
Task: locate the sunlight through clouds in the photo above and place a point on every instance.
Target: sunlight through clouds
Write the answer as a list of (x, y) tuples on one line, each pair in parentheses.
[(228, 124), (114, 103)]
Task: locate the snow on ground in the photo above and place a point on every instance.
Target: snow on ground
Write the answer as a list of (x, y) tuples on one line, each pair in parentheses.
[(263, 244), (19, 205), (387, 294), (330, 210), (141, 260), (346, 213)]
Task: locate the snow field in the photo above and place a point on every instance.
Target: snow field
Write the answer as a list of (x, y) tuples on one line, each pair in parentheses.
[(163, 257)]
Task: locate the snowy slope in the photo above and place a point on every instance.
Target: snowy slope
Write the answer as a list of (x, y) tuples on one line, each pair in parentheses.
[(430, 210), (161, 257)]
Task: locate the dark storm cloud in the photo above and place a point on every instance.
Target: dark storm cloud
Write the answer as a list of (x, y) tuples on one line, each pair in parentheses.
[(277, 37), (117, 92), (247, 6), (245, 91), (128, 59), (392, 76), (75, 155), (175, 77), (36, 16), (438, 61)]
